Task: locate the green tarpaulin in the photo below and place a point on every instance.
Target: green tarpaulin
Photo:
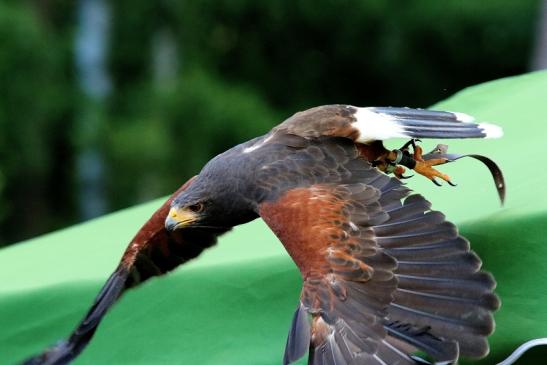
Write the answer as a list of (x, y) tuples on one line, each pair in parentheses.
[(234, 304)]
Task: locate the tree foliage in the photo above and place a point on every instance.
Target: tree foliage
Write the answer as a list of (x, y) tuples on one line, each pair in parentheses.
[(242, 66), (36, 102)]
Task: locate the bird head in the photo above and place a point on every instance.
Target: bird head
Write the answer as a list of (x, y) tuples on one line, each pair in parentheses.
[(186, 214), (211, 209), (202, 206)]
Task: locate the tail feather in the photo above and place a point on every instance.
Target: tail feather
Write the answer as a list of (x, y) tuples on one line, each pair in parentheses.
[(381, 123)]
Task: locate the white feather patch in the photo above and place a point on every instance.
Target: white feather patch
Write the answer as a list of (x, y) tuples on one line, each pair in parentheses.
[(373, 126), (464, 118), (491, 130), (257, 145)]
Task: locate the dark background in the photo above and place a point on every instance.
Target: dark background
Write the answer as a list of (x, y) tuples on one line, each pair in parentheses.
[(105, 104)]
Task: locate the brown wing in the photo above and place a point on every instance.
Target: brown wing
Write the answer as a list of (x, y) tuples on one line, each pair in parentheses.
[(152, 252), (383, 274), (321, 228), (440, 286)]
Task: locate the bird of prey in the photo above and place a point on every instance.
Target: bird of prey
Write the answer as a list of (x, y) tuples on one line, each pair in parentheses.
[(384, 275)]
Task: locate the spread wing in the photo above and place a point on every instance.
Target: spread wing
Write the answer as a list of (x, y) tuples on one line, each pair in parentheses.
[(383, 274), (152, 252)]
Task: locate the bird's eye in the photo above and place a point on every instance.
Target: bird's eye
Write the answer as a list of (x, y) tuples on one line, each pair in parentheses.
[(196, 208)]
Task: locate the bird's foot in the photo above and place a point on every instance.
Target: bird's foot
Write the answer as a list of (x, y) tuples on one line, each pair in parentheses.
[(397, 162), (391, 162), (425, 168), (399, 172), (415, 160), (412, 143)]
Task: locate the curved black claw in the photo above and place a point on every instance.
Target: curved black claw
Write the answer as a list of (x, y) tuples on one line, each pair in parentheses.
[(451, 183), (403, 177), (411, 142), (436, 182)]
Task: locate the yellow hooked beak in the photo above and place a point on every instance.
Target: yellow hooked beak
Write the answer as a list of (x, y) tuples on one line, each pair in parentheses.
[(178, 218)]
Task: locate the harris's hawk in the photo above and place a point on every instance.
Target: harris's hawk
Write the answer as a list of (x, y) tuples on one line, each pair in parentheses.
[(384, 275)]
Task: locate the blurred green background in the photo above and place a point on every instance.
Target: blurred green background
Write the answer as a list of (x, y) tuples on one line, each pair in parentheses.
[(105, 104)]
